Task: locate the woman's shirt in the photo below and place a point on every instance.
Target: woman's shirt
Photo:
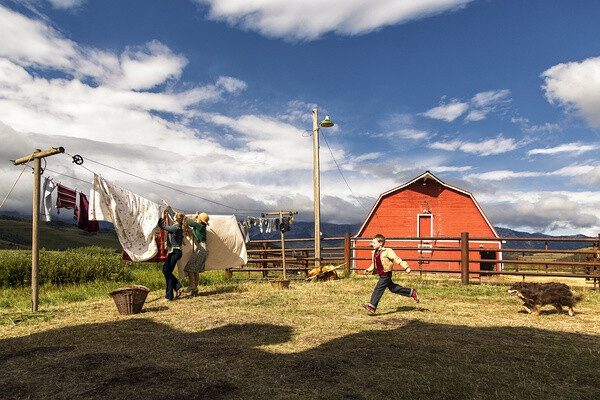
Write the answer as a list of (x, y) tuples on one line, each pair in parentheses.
[(198, 230), (175, 237)]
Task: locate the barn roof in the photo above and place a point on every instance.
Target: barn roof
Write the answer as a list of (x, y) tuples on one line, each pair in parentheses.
[(427, 176)]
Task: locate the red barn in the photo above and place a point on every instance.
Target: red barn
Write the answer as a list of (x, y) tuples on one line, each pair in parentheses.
[(421, 211)]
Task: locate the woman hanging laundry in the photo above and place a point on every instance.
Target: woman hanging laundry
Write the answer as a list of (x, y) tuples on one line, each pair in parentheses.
[(197, 261), (175, 240)]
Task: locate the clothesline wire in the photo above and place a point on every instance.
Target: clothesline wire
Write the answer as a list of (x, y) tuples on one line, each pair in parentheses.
[(165, 186), (17, 180), (375, 217), (69, 176), (343, 177)]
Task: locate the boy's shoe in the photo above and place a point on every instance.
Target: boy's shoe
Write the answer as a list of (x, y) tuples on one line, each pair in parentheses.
[(415, 295), (369, 308)]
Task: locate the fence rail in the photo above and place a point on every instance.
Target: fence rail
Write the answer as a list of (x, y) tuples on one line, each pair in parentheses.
[(265, 257)]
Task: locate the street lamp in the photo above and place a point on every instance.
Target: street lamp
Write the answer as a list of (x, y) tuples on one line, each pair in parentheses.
[(326, 123)]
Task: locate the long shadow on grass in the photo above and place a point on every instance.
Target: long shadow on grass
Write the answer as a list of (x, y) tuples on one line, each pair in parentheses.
[(141, 359)]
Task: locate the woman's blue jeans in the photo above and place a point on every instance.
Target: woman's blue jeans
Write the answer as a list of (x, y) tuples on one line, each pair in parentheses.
[(167, 270)]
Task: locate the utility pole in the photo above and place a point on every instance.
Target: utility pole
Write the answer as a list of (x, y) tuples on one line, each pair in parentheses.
[(326, 123), (35, 228), (316, 187)]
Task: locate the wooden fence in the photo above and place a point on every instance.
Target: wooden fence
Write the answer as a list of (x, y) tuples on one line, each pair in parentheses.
[(265, 257)]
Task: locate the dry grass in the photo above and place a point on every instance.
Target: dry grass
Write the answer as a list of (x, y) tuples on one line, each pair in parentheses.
[(250, 341)]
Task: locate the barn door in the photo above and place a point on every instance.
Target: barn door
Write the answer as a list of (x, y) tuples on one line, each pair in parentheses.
[(425, 225), (425, 229)]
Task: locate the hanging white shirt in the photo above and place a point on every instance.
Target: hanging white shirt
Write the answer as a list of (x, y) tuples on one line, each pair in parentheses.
[(47, 190)]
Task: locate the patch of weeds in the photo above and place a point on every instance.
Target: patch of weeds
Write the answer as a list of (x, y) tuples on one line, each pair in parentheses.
[(25, 318)]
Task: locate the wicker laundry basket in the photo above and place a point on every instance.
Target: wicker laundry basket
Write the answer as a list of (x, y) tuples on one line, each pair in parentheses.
[(130, 299)]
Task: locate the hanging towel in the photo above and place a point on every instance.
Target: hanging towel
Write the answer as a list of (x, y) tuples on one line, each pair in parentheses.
[(66, 198), (47, 190), (133, 216), (83, 221)]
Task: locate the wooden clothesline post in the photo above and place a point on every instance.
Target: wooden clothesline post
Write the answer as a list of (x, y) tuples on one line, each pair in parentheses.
[(281, 213), (35, 220)]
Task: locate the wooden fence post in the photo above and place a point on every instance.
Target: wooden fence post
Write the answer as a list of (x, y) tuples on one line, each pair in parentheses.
[(464, 257), (347, 251), (264, 254)]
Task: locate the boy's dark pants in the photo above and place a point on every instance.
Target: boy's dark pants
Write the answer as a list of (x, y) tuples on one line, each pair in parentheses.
[(167, 270), (385, 281)]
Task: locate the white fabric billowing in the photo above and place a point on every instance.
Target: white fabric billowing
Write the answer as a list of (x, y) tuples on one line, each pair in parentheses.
[(225, 243), (133, 216), (47, 190)]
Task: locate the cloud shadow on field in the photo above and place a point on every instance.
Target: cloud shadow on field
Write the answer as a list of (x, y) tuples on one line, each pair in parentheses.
[(139, 358)]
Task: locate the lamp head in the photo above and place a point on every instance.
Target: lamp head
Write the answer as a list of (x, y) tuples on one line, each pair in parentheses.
[(326, 123)]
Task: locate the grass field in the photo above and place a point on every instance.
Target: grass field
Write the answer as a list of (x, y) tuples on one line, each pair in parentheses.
[(247, 340)]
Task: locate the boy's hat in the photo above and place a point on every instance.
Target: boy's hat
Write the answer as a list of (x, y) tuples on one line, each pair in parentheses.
[(203, 217)]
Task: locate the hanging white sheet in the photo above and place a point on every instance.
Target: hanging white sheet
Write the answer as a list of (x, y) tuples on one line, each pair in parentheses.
[(225, 243), (133, 216)]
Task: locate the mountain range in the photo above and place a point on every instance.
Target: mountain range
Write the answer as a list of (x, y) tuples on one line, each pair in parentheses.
[(15, 232)]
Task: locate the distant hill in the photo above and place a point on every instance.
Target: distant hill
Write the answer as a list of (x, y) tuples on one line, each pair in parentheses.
[(15, 233), (301, 229), (508, 233)]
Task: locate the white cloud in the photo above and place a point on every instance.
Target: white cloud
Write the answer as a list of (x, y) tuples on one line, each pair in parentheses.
[(485, 102), (573, 170), (413, 134), (490, 98), (146, 67), (501, 175), (497, 145), (443, 168), (310, 19), (589, 178), (32, 42), (97, 105), (409, 134), (573, 149), (478, 107), (575, 86), (545, 212), (231, 84), (66, 3), (447, 112), (528, 127), (476, 115)]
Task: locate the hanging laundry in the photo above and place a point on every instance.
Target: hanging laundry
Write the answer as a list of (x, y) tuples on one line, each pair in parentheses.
[(285, 224), (83, 221), (133, 216), (226, 246), (47, 189), (161, 244), (245, 231), (66, 198)]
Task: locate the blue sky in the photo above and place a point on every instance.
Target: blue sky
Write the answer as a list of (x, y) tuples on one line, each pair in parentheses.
[(498, 97)]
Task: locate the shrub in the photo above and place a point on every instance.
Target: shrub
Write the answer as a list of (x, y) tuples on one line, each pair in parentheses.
[(85, 264)]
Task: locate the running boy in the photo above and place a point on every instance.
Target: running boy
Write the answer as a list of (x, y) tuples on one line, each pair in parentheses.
[(383, 262)]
